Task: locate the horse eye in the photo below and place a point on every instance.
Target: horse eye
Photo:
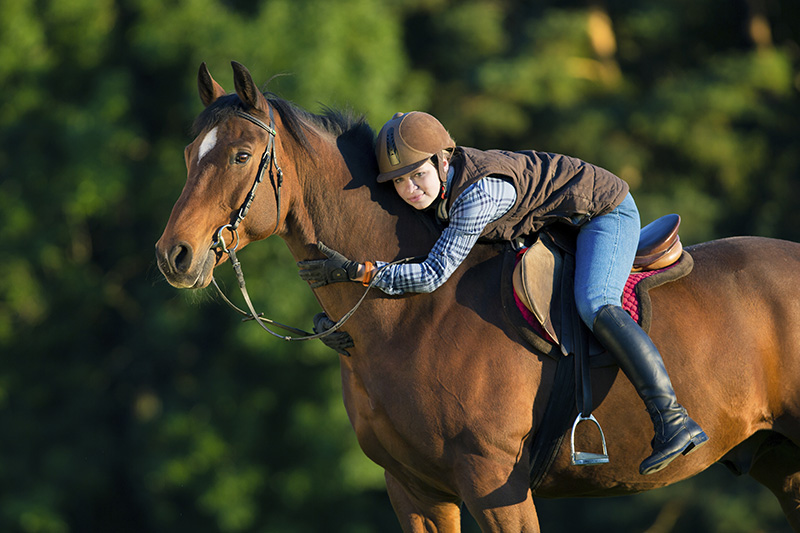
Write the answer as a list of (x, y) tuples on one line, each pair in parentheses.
[(242, 157)]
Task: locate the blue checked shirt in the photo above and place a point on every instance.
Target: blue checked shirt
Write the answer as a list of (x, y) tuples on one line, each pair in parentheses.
[(481, 203)]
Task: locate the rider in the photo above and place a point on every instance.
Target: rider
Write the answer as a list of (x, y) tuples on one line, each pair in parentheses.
[(499, 195)]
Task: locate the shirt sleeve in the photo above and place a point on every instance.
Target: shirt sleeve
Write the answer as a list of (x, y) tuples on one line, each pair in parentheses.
[(483, 202)]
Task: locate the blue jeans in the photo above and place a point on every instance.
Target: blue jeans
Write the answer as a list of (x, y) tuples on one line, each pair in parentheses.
[(604, 256)]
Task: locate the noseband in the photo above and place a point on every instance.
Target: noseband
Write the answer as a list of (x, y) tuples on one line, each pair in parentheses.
[(268, 161)]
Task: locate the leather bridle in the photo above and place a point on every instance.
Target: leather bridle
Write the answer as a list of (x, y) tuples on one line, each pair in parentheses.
[(267, 162)]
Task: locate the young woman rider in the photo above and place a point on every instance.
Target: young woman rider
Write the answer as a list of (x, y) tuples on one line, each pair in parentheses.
[(499, 195)]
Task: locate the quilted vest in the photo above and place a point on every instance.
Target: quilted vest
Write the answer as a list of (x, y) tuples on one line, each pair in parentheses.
[(550, 188)]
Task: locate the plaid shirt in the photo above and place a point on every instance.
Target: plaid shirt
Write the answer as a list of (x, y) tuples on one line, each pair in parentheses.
[(483, 202)]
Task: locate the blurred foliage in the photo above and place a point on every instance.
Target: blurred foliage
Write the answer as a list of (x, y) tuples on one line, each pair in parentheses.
[(128, 406)]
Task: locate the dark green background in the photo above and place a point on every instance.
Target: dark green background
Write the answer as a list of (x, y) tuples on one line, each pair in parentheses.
[(128, 406)]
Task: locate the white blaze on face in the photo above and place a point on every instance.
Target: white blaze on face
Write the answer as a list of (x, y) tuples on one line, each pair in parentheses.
[(208, 143)]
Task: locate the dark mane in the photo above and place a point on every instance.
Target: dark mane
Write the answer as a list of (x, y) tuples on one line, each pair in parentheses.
[(295, 119)]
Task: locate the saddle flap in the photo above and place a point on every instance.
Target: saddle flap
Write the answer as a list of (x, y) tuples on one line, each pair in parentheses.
[(537, 282)]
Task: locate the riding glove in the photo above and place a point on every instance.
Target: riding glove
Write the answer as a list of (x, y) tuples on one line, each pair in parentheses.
[(337, 340), (319, 272)]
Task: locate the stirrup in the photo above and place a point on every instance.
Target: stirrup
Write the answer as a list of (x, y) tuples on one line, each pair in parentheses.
[(588, 458)]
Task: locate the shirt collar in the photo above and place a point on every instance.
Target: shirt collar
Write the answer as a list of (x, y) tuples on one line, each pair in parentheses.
[(449, 181)]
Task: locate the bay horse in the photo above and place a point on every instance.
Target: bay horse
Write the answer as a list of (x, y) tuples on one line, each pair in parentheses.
[(441, 391)]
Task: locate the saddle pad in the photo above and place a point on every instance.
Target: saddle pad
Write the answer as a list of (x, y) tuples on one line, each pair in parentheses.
[(630, 299), (635, 297)]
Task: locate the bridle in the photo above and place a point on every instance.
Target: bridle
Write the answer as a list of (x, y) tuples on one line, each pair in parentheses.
[(268, 162)]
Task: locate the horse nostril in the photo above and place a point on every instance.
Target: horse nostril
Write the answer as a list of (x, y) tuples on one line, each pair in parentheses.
[(180, 257)]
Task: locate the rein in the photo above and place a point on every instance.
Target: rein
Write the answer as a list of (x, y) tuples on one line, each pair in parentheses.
[(268, 161)]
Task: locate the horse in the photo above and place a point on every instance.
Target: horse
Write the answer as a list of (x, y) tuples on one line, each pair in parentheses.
[(442, 392)]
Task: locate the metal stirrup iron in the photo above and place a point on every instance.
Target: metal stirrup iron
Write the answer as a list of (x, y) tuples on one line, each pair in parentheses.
[(588, 458)]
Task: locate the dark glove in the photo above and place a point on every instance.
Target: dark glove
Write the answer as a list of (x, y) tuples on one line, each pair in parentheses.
[(319, 272), (338, 340)]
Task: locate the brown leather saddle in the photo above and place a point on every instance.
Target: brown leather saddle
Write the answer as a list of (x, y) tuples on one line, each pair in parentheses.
[(537, 277)]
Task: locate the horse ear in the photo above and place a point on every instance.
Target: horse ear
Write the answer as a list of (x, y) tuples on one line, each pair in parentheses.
[(209, 89), (246, 87)]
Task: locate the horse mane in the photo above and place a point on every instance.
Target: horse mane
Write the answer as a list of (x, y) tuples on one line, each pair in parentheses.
[(296, 120)]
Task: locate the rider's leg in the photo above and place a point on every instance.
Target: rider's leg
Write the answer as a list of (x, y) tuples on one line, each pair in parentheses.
[(605, 252)]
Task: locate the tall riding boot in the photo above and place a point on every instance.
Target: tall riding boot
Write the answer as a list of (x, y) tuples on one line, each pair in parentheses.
[(638, 357)]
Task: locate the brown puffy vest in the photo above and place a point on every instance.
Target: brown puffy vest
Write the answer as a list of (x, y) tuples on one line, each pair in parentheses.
[(550, 188)]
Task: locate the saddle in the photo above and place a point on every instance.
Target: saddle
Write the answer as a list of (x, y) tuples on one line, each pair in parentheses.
[(539, 275), (539, 280)]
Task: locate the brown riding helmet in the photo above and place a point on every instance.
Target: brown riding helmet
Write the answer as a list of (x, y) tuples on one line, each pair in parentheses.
[(407, 141)]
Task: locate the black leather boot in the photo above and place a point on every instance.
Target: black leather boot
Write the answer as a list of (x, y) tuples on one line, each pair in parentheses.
[(638, 357)]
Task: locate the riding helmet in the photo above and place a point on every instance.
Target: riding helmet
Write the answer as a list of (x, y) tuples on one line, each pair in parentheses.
[(407, 141)]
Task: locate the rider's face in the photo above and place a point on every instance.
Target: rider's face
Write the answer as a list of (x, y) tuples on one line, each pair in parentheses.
[(420, 187)]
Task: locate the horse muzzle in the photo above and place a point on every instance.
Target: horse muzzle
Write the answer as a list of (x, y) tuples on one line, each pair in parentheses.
[(182, 267)]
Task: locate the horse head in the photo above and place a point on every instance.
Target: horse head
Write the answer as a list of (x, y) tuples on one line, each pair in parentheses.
[(221, 164)]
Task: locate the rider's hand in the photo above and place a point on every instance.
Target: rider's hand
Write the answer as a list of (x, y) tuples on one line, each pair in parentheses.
[(337, 340), (319, 272)]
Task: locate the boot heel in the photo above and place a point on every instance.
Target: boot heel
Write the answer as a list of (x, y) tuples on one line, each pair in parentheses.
[(697, 441)]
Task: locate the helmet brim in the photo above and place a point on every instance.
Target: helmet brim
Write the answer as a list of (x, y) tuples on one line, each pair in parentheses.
[(388, 176)]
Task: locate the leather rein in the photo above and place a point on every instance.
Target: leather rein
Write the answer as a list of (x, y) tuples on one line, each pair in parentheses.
[(268, 161)]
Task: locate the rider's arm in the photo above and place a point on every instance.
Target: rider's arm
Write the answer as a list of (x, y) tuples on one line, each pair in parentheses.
[(484, 202)]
